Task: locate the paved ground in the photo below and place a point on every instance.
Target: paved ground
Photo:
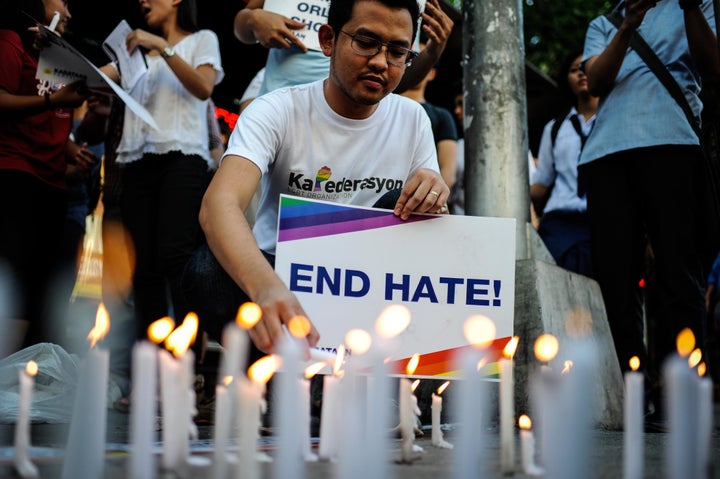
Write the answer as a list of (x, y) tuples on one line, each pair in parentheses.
[(605, 460)]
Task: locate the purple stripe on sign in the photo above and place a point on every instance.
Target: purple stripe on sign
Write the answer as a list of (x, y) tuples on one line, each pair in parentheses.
[(347, 227)]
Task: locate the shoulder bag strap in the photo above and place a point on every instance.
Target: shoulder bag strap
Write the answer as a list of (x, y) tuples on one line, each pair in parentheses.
[(646, 52)]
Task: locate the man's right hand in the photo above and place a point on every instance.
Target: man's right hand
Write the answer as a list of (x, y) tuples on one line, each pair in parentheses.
[(273, 30), (635, 11), (279, 305)]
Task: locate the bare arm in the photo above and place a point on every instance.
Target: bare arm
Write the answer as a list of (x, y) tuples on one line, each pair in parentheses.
[(23, 106), (602, 69), (447, 160), (703, 44), (199, 81), (231, 241), (438, 27), (271, 30)]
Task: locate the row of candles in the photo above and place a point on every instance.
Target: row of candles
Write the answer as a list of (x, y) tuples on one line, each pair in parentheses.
[(354, 400)]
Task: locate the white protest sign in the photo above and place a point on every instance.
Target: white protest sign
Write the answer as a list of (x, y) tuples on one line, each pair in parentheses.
[(312, 13), (346, 264), (60, 63)]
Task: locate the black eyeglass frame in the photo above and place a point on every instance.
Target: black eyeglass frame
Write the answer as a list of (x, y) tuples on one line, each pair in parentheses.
[(410, 54)]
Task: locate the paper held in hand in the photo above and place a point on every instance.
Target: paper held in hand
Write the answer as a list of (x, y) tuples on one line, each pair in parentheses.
[(132, 66), (61, 63)]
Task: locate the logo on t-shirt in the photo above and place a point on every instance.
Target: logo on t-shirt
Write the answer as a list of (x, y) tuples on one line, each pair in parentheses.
[(323, 187)]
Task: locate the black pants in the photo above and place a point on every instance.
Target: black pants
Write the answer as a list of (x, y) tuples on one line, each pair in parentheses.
[(160, 206), (637, 197), (31, 229)]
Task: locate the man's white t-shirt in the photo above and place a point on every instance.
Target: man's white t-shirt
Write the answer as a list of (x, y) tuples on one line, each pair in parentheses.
[(303, 148)]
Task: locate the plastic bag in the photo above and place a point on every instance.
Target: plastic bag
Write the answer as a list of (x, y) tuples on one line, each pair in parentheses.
[(89, 279), (55, 384)]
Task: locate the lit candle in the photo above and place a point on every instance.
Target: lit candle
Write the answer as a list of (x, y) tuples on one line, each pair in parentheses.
[(527, 447), (330, 412), (468, 452), (235, 340), (569, 418), (681, 393), (705, 422), (142, 412), (85, 452), (223, 423), (352, 458), (436, 410), (633, 421), (250, 406), (507, 408), (407, 413), (305, 441), (176, 385), (287, 415), (23, 465), (546, 348)]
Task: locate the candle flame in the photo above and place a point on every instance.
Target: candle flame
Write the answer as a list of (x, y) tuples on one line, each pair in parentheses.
[(546, 347), (443, 387), (567, 366), (183, 336), (634, 363), (414, 385), (481, 364), (392, 321), (31, 368), (685, 342), (227, 380), (102, 326), (262, 370), (159, 330), (695, 358), (248, 315), (412, 364), (299, 326), (314, 368), (358, 341), (339, 358), (525, 422), (511, 347), (479, 331), (702, 369)]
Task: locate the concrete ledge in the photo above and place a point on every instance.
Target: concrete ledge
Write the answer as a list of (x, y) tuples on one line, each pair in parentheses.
[(549, 299)]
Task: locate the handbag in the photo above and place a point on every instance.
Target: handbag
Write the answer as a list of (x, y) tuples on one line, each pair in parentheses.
[(708, 135)]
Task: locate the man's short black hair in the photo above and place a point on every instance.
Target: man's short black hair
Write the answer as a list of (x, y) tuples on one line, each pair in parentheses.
[(341, 11)]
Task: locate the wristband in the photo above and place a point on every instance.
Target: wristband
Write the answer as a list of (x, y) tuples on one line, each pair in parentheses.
[(48, 103), (688, 4)]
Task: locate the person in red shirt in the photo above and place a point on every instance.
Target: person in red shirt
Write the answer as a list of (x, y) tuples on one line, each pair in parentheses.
[(35, 123)]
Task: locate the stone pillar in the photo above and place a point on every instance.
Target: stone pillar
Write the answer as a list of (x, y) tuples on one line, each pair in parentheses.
[(495, 113)]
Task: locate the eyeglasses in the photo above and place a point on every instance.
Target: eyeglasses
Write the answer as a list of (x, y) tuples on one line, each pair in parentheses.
[(369, 47)]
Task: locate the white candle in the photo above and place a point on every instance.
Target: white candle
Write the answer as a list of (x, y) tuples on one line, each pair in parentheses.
[(507, 409), (23, 465), (468, 450), (223, 424), (174, 421), (85, 452), (569, 414), (407, 420), (304, 430), (250, 406), (436, 411), (287, 416), (705, 426), (142, 412), (377, 438), (330, 418), (681, 392), (633, 422), (527, 447)]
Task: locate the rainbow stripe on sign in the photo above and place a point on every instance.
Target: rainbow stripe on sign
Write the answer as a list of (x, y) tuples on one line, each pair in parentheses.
[(300, 219)]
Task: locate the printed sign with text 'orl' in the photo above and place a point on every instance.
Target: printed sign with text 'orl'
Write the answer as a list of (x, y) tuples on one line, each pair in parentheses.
[(346, 264), (312, 13)]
